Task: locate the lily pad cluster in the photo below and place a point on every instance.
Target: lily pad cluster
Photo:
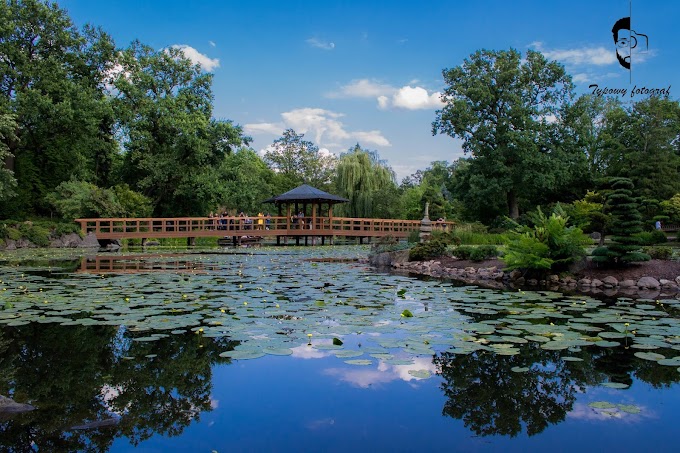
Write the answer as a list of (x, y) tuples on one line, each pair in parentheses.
[(274, 303)]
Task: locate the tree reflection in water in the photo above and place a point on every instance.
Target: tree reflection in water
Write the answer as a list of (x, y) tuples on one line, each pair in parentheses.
[(491, 399), (76, 374)]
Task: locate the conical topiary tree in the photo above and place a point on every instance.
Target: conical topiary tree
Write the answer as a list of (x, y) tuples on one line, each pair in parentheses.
[(625, 222)]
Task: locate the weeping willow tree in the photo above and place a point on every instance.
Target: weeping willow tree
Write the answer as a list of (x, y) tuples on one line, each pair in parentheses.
[(367, 181)]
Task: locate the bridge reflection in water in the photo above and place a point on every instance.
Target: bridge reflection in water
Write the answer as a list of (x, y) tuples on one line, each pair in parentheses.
[(137, 264)]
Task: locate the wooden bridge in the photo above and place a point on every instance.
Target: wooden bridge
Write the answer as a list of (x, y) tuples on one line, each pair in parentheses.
[(248, 229)]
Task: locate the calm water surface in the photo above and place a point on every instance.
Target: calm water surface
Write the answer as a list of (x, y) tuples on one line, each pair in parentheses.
[(271, 351)]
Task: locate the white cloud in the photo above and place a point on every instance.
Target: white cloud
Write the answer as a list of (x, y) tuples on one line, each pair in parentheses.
[(320, 44), (365, 377), (372, 137), (407, 97), (414, 98), (317, 121), (363, 88), (212, 43), (269, 128), (325, 127), (598, 56), (207, 63)]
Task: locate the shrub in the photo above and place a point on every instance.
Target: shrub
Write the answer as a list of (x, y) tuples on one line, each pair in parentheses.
[(38, 235), (414, 237), (484, 252), (464, 252), (527, 252), (652, 237), (550, 244), (659, 253), (13, 234), (427, 250), (625, 225), (448, 238), (61, 229)]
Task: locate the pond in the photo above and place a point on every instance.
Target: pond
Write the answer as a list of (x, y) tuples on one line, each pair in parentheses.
[(301, 349)]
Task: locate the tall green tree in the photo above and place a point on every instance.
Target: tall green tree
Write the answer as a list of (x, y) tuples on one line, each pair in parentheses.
[(625, 222), (7, 181), (503, 108), (299, 161), (173, 148), (247, 181), (363, 178), (641, 143), (51, 79)]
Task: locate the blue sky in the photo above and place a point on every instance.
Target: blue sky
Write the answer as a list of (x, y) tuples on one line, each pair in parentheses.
[(344, 72)]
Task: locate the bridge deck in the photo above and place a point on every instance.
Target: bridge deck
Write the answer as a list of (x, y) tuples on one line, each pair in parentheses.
[(192, 227)]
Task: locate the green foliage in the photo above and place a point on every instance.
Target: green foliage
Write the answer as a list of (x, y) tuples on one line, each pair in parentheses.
[(7, 181), (585, 213), (362, 178), (132, 204), (247, 181), (52, 80), (78, 199), (174, 148), (651, 237), (299, 161), (484, 252), (497, 102), (526, 251), (464, 252), (659, 253), (479, 253), (550, 244), (449, 238), (427, 250), (61, 229), (12, 233), (38, 235), (671, 208), (640, 143), (413, 237), (625, 224)]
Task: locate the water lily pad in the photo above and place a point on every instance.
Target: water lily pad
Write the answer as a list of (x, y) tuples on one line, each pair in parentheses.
[(649, 356), (572, 359), (277, 351), (420, 374), (242, 355), (629, 408), (519, 369), (615, 385), (675, 361), (602, 405), (362, 362)]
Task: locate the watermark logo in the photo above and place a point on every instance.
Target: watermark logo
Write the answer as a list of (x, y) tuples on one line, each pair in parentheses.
[(629, 44), (628, 41)]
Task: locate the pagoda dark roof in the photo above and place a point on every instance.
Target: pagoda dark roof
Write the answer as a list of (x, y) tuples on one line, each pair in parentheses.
[(306, 193)]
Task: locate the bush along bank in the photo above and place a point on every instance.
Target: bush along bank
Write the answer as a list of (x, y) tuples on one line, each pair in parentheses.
[(15, 235)]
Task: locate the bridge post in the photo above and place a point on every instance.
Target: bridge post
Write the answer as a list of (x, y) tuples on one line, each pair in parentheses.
[(191, 242)]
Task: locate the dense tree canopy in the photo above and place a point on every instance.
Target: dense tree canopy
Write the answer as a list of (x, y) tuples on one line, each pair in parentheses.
[(364, 179), (173, 145), (50, 80), (504, 108), (298, 161)]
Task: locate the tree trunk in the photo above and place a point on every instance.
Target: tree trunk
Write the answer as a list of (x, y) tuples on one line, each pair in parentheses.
[(513, 208)]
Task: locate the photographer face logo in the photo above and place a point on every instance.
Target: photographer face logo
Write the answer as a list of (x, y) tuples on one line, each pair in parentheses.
[(626, 40)]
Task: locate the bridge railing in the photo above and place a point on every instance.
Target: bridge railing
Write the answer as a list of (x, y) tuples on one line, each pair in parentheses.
[(255, 226)]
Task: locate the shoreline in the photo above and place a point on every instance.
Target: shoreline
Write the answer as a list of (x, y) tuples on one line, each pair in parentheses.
[(489, 274)]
